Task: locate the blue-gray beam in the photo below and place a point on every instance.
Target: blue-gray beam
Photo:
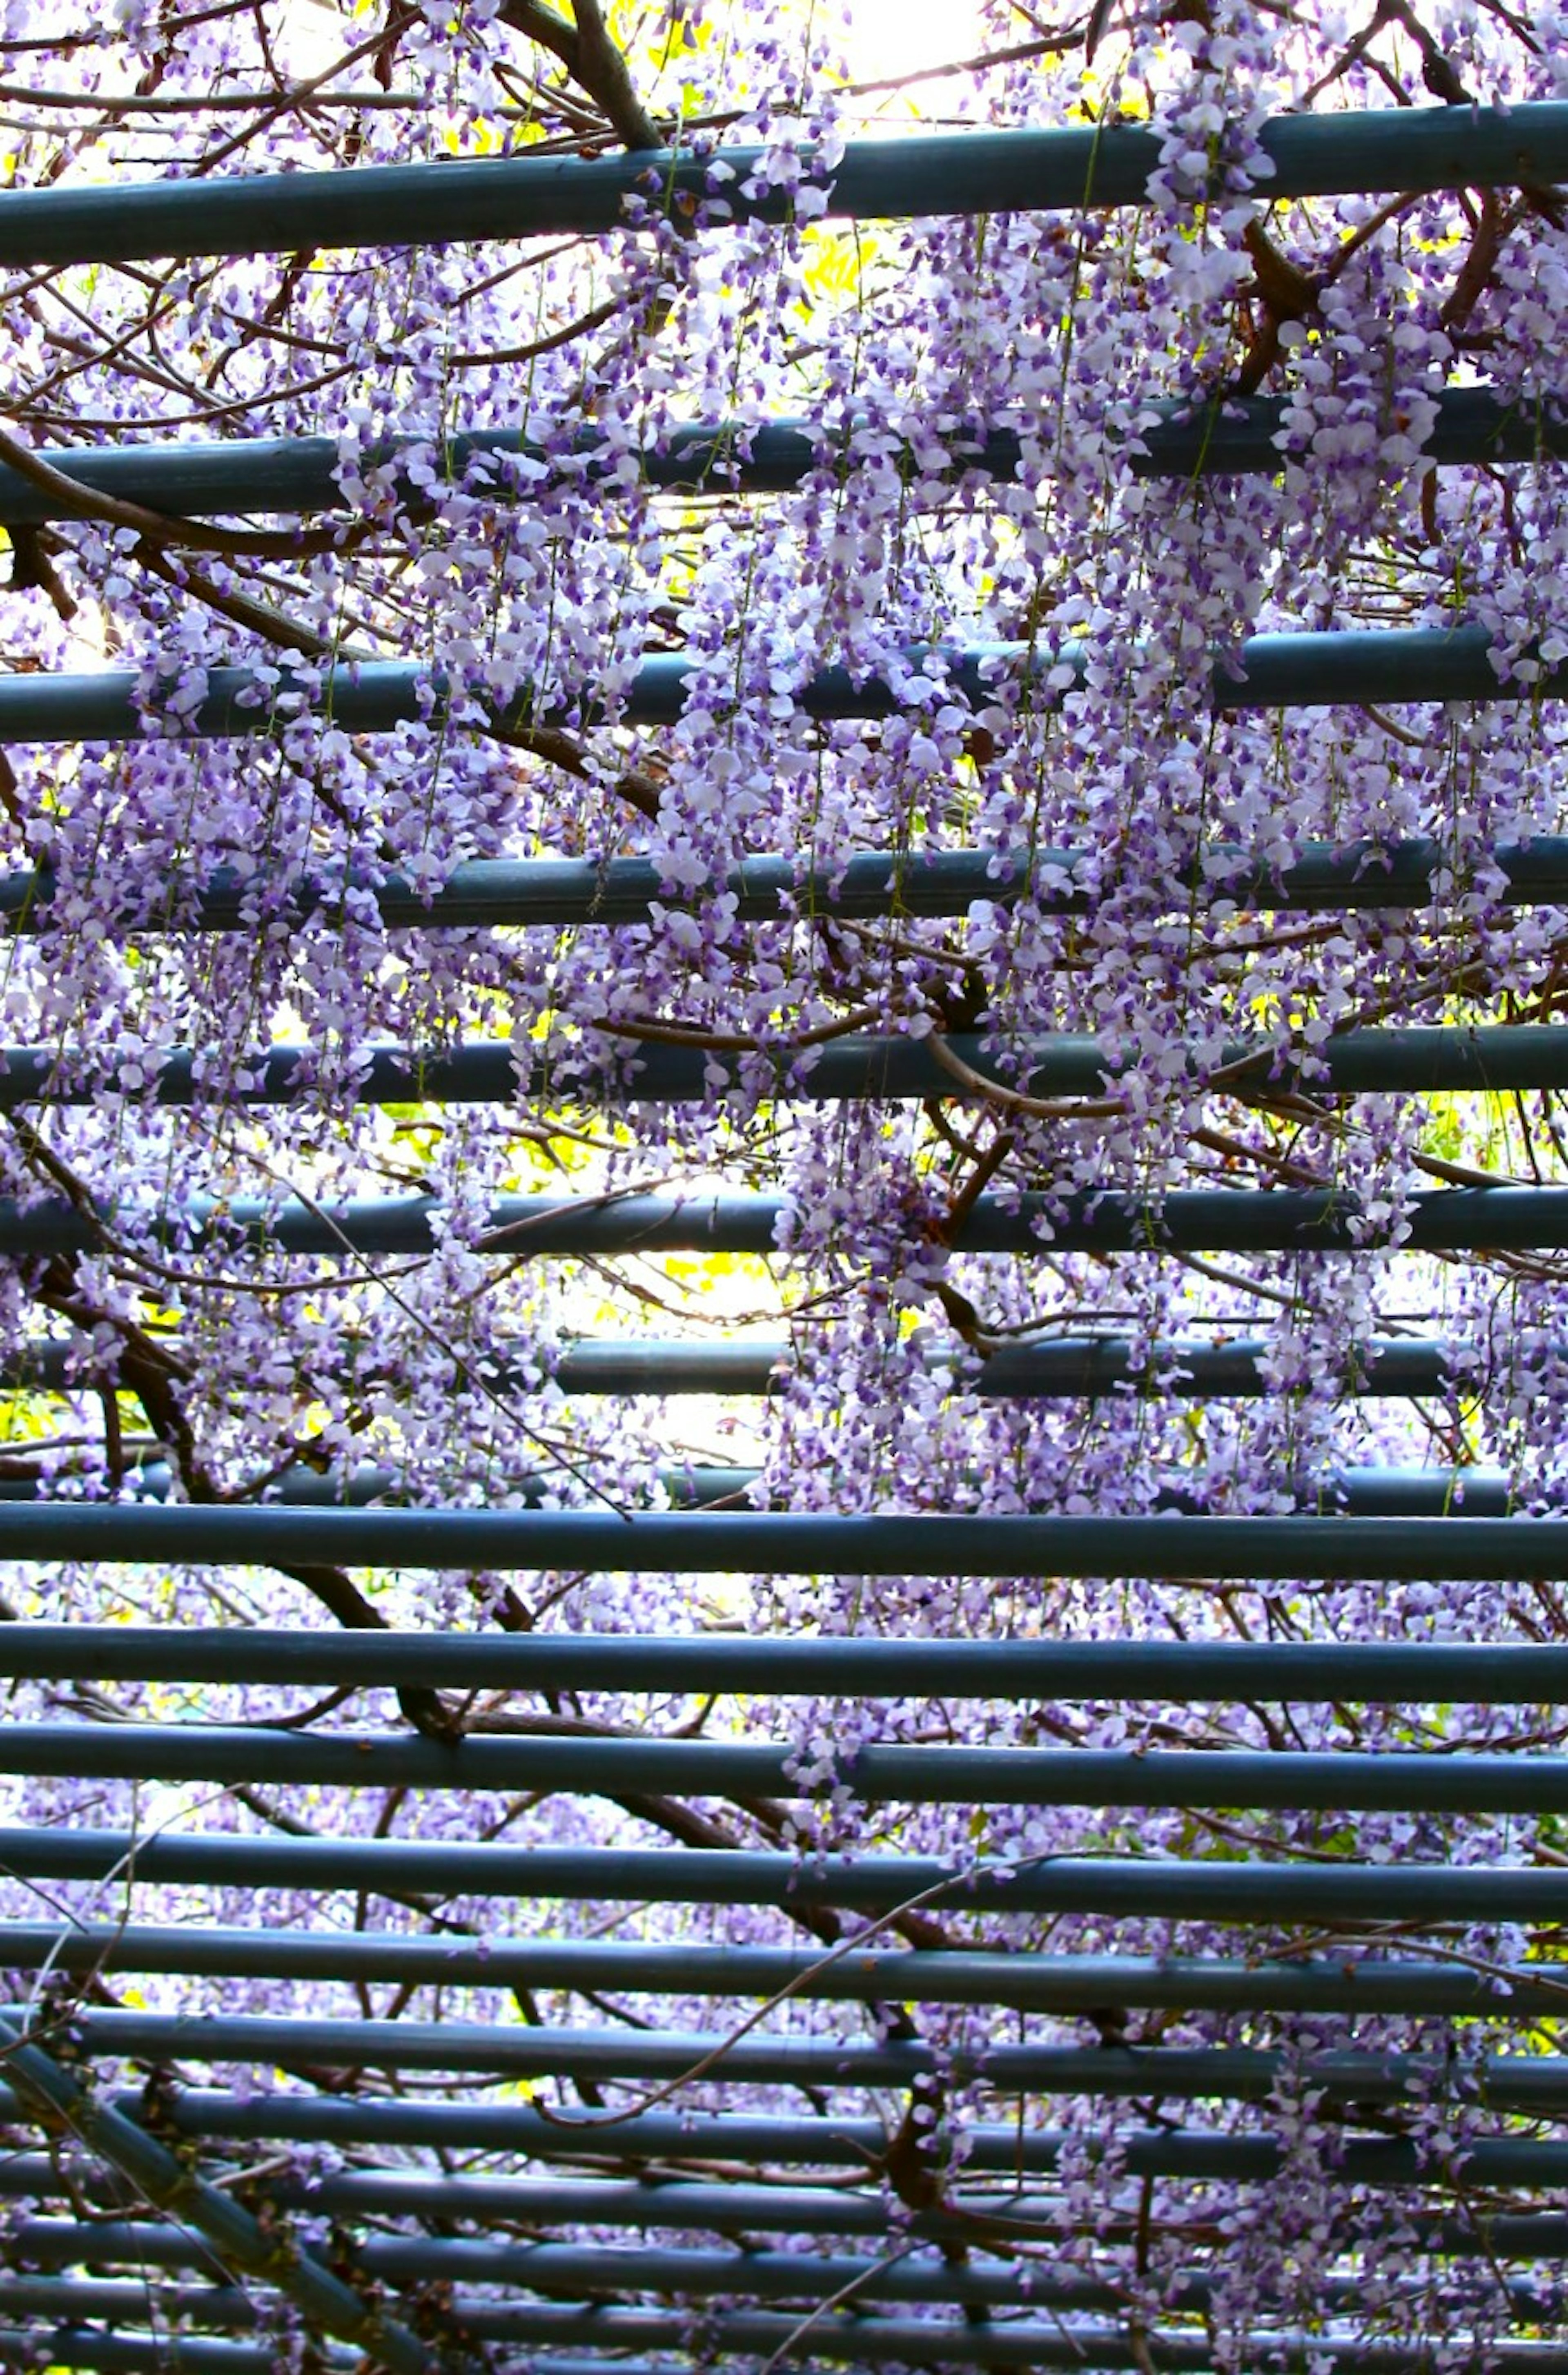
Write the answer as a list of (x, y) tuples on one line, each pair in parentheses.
[(773, 2336), (1052, 1368), (546, 2268), (560, 891), (1130, 1888), (1202, 1220), (1354, 1492), (1325, 1548), (892, 2341), (1387, 1673), (1399, 1493), (1413, 1061), (685, 2208), (1532, 2082), (1391, 1782), (1049, 1368), (607, 2334), (971, 172), (1071, 1985), (1009, 2150), (285, 476), (189, 2354), (576, 2270), (366, 695)]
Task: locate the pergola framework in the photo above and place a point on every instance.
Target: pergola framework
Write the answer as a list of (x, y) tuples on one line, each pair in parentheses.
[(398, 2294)]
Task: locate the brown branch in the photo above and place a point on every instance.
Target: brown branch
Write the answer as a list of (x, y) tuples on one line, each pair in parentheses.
[(153, 1374), (234, 103), (32, 565), (592, 59), (79, 501), (484, 357), (374, 46)]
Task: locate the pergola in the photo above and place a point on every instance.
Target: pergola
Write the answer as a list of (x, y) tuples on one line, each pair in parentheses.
[(456, 2196)]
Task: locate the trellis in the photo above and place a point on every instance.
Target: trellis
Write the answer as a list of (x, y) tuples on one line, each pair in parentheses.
[(577, 2304)]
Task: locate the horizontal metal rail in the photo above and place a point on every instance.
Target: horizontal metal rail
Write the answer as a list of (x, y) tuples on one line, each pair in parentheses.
[(195, 2354), (752, 2336), (1009, 2149), (285, 476), (1072, 1985), (1387, 1673), (1048, 1369), (559, 891), (547, 2269), (748, 2336), (1128, 1887), (680, 2207), (365, 695), (1188, 1220), (813, 2280), (1360, 1492), (1393, 1780), (1057, 1368), (1412, 1062), (703, 1488), (698, 2276), (984, 2346), (1051, 1368), (1511, 1550), (1233, 2073), (1354, 1492), (581, 2273), (969, 172)]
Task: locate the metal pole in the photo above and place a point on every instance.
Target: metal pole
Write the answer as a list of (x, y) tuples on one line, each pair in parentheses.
[(1279, 671), (1128, 1888), (926, 2342), (702, 1488), (547, 891), (1380, 1672), (1504, 2083), (717, 1542), (761, 2276), (162, 2354), (1206, 1220), (1056, 1368), (576, 2270), (1051, 1368), (1068, 1985), (1389, 1063), (1008, 2150), (1391, 1782), (972, 172), (285, 476), (737, 2209), (1350, 1492), (914, 2343)]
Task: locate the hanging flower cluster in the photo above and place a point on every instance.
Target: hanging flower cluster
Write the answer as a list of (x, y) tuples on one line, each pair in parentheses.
[(1038, 660)]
